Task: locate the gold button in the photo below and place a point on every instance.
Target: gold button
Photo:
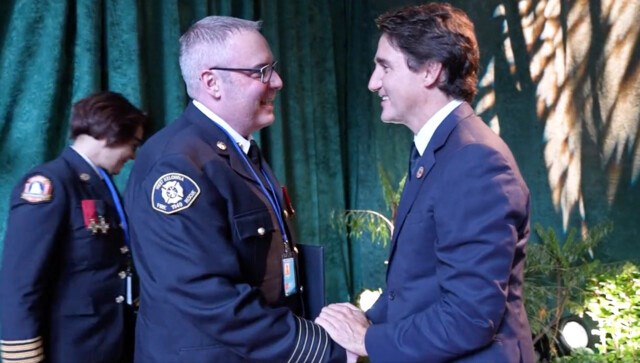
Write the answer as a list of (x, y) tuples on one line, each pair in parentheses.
[(261, 231), (119, 299), (124, 250), (122, 274), (286, 214)]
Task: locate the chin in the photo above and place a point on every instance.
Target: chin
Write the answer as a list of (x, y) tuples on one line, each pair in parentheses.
[(266, 120), (389, 119)]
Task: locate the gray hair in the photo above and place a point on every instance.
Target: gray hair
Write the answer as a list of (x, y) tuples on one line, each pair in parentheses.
[(204, 43)]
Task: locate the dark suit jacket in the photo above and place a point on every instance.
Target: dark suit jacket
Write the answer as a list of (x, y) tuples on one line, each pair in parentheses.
[(455, 273), (203, 240), (60, 283)]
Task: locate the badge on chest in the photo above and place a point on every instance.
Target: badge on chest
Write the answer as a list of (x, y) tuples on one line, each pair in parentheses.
[(94, 211)]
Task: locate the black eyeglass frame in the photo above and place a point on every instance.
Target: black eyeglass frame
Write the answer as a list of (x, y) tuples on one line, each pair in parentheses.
[(262, 70)]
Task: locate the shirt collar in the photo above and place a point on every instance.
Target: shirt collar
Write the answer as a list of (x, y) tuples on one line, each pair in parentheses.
[(239, 139), (422, 138), (91, 164)]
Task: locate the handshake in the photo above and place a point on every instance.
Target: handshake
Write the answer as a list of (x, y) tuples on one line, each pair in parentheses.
[(347, 326)]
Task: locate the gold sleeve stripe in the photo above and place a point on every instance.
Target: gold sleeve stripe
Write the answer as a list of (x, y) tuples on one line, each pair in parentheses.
[(306, 338), (311, 344), (12, 356), (295, 349), (313, 339), (21, 347), (20, 341), (323, 337), (37, 359)]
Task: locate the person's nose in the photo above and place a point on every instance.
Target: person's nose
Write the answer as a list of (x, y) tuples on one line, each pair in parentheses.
[(275, 82), (375, 81)]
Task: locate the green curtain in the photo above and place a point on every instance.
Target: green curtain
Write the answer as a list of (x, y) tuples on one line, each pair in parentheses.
[(56, 52), (327, 142)]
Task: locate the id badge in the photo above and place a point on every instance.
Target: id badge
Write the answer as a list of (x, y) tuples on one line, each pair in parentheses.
[(289, 276)]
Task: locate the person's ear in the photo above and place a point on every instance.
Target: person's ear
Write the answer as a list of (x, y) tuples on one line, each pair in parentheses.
[(210, 83), (433, 74)]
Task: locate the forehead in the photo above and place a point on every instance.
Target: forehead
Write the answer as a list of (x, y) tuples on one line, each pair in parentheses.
[(387, 52), (249, 46)]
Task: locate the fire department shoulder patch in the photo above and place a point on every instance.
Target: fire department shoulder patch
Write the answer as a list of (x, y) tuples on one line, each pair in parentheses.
[(173, 192), (37, 189)]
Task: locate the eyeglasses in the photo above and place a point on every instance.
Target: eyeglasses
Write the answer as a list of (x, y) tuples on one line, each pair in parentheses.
[(265, 72)]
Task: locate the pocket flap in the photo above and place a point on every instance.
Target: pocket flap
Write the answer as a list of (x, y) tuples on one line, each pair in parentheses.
[(254, 224), (78, 306)]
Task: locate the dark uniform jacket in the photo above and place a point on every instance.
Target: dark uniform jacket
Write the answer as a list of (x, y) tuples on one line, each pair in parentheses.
[(455, 275), (208, 251), (61, 286)]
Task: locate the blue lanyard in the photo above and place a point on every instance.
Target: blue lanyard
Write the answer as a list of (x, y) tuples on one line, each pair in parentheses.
[(116, 201), (272, 198)]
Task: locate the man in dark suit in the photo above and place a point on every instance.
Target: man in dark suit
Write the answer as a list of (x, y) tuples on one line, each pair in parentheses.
[(211, 240), (455, 274), (66, 268)]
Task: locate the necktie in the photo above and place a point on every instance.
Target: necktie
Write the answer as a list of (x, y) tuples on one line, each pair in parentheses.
[(256, 160), (116, 201), (413, 160), (254, 154)]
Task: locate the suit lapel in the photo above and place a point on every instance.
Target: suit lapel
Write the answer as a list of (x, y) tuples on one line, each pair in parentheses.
[(427, 161)]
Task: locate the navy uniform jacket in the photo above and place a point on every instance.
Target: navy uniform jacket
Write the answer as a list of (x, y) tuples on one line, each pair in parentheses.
[(455, 273), (61, 286), (208, 251)]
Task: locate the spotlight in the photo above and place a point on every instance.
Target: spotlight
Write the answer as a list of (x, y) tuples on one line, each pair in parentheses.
[(573, 334)]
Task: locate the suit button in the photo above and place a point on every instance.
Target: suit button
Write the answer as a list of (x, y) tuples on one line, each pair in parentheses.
[(124, 250), (261, 231), (392, 295), (119, 299), (122, 274)]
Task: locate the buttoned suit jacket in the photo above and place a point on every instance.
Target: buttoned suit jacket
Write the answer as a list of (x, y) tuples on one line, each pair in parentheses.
[(60, 286), (455, 273), (201, 267)]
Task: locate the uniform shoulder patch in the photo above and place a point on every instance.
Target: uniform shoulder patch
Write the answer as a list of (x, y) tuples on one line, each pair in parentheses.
[(173, 192), (37, 189)]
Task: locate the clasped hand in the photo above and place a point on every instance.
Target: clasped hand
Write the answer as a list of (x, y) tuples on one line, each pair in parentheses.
[(347, 325)]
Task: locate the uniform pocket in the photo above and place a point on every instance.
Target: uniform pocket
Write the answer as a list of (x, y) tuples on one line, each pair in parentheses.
[(208, 354), (78, 306), (254, 224)]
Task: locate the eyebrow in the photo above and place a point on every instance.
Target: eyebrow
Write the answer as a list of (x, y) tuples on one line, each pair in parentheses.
[(260, 65), (379, 60)]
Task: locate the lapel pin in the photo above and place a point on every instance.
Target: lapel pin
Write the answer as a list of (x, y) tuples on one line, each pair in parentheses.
[(420, 172), (85, 177)]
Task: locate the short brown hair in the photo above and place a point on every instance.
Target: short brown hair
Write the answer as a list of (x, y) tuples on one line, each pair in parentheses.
[(107, 115), (437, 32)]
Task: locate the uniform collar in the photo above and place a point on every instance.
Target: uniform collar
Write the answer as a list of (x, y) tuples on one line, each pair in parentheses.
[(85, 158), (239, 139)]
